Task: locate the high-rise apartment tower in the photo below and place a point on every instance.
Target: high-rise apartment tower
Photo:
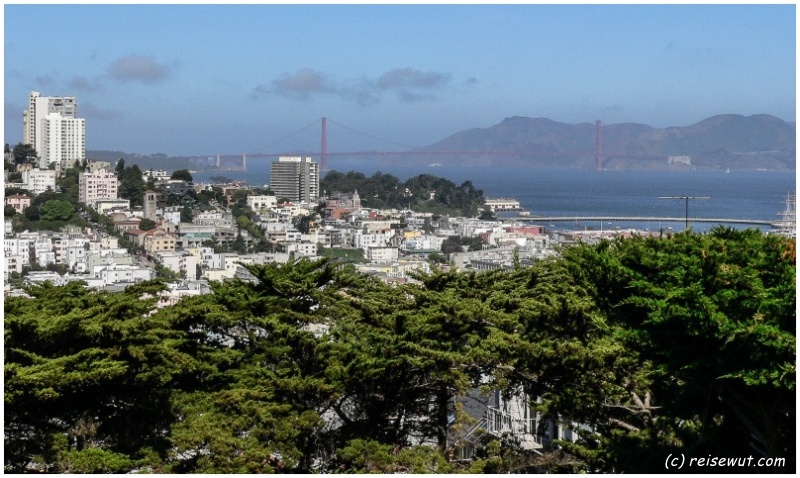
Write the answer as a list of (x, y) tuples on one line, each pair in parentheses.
[(295, 178), (51, 126)]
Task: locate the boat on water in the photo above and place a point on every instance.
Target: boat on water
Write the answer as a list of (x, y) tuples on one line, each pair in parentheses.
[(787, 225)]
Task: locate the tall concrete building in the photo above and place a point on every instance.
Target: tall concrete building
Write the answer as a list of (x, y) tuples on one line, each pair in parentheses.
[(295, 178), (51, 126)]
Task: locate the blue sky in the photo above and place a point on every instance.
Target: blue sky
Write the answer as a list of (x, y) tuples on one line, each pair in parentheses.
[(218, 79)]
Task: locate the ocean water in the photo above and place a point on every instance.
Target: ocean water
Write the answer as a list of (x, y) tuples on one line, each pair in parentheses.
[(758, 195)]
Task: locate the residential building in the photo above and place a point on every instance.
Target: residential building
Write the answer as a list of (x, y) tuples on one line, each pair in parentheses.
[(101, 184), (63, 141), (52, 127), (18, 201), (194, 235), (158, 240), (295, 178), (157, 174), (98, 165), (381, 254), (181, 262), (106, 206), (262, 203), (38, 180)]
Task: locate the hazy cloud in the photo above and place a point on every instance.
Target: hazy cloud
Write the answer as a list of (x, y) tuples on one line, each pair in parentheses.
[(471, 81), (90, 111), (45, 80), (407, 82), (301, 84), (13, 114), (138, 68), (409, 78), (412, 97), (85, 84)]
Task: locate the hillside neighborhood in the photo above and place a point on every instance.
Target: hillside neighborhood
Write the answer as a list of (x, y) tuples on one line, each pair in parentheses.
[(387, 243)]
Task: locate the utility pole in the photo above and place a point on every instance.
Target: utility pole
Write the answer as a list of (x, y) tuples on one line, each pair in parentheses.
[(685, 198)]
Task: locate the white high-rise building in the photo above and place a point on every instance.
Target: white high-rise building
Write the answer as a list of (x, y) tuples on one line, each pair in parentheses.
[(51, 126), (295, 178)]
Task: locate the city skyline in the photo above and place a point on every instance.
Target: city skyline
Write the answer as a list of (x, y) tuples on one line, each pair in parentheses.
[(203, 79)]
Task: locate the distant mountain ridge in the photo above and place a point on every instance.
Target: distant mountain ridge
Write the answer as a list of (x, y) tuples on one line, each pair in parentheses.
[(722, 141), (719, 142)]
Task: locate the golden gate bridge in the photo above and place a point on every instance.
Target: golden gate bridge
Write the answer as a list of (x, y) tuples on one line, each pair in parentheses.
[(239, 161)]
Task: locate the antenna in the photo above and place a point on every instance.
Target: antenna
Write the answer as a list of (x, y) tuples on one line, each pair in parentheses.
[(686, 198)]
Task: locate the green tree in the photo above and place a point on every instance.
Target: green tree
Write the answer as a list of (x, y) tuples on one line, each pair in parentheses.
[(132, 185), (186, 214), (264, 391), (25, 154), (120, 168), (85, 376), (9, 211), (712, 319), (182, 174), (57, 210), (147, 224)]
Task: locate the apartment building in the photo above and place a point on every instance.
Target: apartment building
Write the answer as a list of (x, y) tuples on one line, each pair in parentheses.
[(295, 178), (52, 127), (38, 180), (18, 201), (101, 184)]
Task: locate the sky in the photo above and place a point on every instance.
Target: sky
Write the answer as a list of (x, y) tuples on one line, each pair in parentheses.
[(210, 79)]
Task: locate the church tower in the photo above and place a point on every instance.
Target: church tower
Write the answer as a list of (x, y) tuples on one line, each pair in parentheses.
[(356, 200)]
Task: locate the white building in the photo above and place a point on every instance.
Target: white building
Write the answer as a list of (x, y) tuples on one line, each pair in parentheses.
[(116, 273), (382, 254), (262, 203), (304, 249), (156, 174), (182, 263), (106, 206), (52, 127), (38, 180), (63, 141), (502, 204), (101, 184)]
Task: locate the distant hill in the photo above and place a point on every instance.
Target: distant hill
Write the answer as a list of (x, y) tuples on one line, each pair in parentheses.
[(145, 162), (723, 141), (719, 142)]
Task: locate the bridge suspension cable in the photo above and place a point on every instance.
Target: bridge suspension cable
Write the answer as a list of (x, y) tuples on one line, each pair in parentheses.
[(372, 136), (285, 137)]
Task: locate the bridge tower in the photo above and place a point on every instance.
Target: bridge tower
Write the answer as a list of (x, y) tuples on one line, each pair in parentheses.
[(324, 147), (598, 157), (244, 162)]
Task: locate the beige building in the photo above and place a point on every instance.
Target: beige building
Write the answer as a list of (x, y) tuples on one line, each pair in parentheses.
[(18, 201), (101, 184), (158, 240)]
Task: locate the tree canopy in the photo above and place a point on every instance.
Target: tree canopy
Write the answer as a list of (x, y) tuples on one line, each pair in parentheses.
[(684, 344), (182, 174), (424, 192)]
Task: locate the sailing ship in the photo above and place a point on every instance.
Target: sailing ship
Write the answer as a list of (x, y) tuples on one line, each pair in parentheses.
[(787, 224)]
